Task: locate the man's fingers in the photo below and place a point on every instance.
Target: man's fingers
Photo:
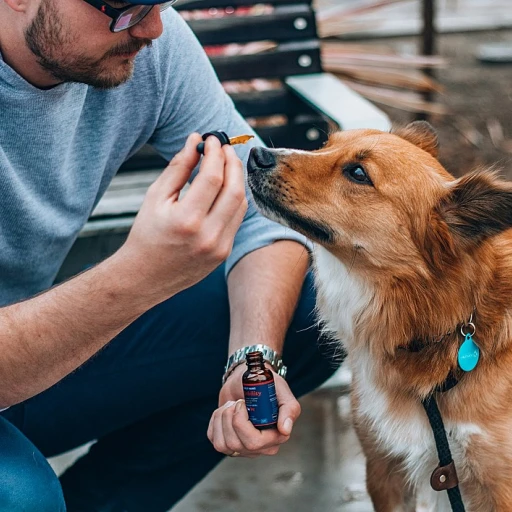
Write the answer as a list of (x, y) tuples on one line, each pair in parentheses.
[(233, 443), (215, 431), (209, 181), (252, 438), (234, 223), (232, 194), (231, 431), (209, 432), (229, 210), (228, 235), (178, 172), (270, 451), (289, 407)]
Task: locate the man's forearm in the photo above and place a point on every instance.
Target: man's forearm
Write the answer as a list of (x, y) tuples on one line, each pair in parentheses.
[(45, 338), (173, 244), (264, 288)]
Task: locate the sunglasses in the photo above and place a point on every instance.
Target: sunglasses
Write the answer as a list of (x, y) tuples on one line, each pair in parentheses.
[(126, 17)]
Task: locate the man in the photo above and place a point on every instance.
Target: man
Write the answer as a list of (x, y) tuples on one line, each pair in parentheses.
[(83, 85)]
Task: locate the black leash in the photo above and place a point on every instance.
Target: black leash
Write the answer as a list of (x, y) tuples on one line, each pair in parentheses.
[(444, 477)]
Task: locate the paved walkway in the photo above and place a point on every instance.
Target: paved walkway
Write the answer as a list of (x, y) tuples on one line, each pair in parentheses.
[(321, 469)]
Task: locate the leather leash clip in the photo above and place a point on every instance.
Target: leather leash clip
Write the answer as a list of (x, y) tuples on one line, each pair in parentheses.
[(444, 477)]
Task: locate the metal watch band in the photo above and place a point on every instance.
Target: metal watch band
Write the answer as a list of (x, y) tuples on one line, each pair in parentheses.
[(269, 355)]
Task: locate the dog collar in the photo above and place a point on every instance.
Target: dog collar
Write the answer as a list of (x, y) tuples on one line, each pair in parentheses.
[(417, 344), (467, 329)]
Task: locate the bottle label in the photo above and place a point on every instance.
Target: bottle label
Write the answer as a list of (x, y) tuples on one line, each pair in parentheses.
[(261, 402)]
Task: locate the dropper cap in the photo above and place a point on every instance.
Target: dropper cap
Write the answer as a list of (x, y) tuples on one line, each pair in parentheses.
[(222, 136)]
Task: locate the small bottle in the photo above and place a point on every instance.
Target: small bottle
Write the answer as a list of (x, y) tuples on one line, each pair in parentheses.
[(260, 393)]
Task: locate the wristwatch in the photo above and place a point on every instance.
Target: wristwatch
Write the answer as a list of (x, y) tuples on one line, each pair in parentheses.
[(269, 355)]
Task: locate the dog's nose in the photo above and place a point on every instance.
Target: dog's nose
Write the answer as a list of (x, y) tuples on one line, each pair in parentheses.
[(260, 159)]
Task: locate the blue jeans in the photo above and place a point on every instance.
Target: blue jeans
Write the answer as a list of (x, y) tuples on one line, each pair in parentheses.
[(147, 398)]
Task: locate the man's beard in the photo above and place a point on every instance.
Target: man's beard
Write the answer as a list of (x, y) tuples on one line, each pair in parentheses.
[(50, 43)]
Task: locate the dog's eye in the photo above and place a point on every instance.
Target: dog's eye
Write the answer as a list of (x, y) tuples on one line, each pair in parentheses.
[(357, 174)]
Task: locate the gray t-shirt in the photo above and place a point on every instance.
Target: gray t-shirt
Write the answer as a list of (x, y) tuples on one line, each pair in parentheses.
[(60, 148)]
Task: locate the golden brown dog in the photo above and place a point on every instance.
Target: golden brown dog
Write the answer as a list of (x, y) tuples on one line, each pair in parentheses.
[(404, 256)]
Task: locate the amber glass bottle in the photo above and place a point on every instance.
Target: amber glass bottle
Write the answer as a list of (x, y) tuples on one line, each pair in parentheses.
[(260, 393)]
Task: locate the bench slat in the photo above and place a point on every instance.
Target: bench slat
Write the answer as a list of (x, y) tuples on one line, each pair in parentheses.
[(189, 5), (269, 103), (285, 23), (287, 59), (306, 132)]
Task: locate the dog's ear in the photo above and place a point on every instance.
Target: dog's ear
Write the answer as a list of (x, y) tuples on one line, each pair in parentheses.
[(478, 206), (421, 134)]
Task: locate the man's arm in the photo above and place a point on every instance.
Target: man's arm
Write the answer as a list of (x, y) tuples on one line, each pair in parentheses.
[(173, 244), (265, 270), (264, 288), (45, 338)]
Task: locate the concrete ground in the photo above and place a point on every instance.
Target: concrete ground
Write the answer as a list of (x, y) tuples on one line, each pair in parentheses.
[(321, 469)]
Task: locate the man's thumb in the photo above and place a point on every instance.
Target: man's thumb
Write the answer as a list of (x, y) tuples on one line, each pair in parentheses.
[(289, 410)]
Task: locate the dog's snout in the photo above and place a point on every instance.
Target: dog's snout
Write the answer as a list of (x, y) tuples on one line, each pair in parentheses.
[(261, 159)]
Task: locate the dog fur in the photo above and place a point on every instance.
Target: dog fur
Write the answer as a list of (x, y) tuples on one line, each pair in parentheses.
[(408, 255)]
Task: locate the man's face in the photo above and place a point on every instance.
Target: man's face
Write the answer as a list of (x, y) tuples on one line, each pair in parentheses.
[(73, 43)]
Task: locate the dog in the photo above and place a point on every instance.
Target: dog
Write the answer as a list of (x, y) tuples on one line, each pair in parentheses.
[(407, 260)]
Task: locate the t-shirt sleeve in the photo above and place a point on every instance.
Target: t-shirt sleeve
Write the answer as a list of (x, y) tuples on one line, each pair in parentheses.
[(193, 100)]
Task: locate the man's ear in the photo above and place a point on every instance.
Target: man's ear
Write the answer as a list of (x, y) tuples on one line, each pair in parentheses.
[(478, 206), (17, 5), (421, 134)]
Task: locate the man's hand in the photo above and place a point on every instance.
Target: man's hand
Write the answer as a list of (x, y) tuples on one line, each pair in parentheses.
[(230, 429), (174, 243)]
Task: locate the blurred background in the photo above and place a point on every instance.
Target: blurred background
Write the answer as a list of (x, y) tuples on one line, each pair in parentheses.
[(445, 60)]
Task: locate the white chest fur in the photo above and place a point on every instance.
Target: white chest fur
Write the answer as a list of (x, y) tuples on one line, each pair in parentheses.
[(342, 299), (341, 295), (409, 436)]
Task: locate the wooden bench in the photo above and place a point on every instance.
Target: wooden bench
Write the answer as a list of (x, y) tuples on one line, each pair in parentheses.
[(306, 100)]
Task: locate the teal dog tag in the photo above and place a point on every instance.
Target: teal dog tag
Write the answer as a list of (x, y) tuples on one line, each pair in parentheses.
[(469, 354)]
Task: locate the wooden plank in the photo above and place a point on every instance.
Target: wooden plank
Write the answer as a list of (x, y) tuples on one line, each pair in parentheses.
[(287, 59), (110, 226), (347, 108), (189, 5), (125, 194), (89, 250), (495, 53), (305, 132), (146, 158), (285, 23), (268, 103)]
